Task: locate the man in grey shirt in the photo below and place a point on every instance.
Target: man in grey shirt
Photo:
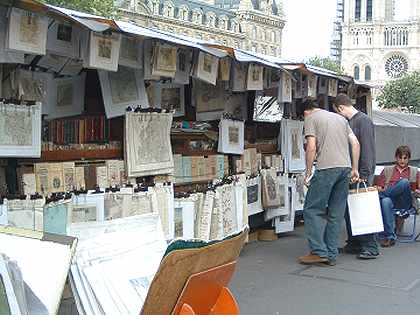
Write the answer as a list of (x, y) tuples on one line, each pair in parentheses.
[(364, 246), (328, 136)]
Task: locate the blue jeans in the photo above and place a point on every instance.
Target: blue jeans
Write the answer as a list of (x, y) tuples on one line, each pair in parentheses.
[(328, 188), (363, 243), (394, 197)]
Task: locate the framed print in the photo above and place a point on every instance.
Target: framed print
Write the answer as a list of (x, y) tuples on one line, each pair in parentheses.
[(208, 98), (68, 97), (224, 69), (322, 85), (312, 83), (207, 67), (7, 56), (231, 137), (332, 87), (286, 223), (122, 89), (170, 97), (183, 66), (239, 76), (282, 182), (88, 207), (286, 87), (254, 195), (184, 218), (131, 52), (148, 52), (272, 78), (20, 130), (164, 60), (27, 32), (147, 144), (255, 77), (64, 40), (35, 86), (298, 86), (103, 51), (292, 145), (301, 190), (271, 197)]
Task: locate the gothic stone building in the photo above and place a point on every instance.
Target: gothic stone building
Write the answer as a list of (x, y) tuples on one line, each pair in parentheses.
[(254, 25), (376, 45)]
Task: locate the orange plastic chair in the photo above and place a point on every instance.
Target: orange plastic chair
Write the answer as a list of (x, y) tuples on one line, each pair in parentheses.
[(205, 293)]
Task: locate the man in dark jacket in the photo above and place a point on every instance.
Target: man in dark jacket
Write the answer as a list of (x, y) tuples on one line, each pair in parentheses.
[(365, 246)]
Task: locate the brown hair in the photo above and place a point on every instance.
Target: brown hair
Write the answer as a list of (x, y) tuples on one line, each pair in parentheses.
[(309, 104), (342, 99), (403, 150)]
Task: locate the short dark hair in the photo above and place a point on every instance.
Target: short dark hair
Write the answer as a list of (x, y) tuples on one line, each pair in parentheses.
[(309, 104), (403, 150), (342, 99)]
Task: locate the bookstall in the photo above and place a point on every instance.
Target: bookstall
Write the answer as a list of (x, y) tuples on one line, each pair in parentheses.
[(103, 123)]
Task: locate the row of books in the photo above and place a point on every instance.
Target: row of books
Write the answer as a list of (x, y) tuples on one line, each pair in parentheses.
[(88, 129)]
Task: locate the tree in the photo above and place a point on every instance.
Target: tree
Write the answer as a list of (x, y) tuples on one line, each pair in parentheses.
[(326, 63), (104, 8), (403, 93)]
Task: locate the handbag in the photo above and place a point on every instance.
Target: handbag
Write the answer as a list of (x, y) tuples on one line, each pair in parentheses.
[(365, 211)]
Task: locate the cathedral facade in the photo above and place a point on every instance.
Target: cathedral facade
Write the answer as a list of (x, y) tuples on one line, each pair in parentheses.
[(253, 25), (377, 45)]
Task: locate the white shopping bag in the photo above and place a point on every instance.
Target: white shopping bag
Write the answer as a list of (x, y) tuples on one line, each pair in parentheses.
[(365, 211)]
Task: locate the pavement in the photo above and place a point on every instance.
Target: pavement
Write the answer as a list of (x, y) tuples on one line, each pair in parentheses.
[(269, 280)]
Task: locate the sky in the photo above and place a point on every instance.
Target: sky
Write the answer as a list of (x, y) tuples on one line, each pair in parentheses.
[(309, 27)]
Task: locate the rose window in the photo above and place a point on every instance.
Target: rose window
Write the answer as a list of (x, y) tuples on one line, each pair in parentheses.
[(396, 66)]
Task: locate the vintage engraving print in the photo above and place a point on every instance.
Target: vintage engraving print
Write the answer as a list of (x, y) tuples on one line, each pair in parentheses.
[(15, 126), (179, 224), (166, 58), (171, 98), (295, 144), (83, 213), (32, 89), (129, 49), (123, 85), (233, 135), (104, 47), (207, 63), (65, 94), (64, 33), (208, 97), (30, 29)]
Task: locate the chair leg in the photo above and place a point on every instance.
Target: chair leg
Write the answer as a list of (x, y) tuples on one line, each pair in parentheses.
[(410, 238)]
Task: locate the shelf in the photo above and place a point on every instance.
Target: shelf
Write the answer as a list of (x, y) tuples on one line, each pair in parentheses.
[(263, 148), (75, 155)]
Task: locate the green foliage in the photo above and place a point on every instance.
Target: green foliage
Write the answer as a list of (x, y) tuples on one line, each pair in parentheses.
[(326, 63), (105, 8), (403, 93)]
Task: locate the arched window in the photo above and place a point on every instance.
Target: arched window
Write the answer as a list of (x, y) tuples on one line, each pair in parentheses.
[(356, 72), (369, 10), (368, 73), (357, 10)]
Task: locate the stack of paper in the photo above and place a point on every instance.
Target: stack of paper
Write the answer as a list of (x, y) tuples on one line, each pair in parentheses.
[(12, 290), (115, 263), (44, 261)]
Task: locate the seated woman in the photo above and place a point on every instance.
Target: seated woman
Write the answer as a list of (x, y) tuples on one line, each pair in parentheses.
[(395, 185)]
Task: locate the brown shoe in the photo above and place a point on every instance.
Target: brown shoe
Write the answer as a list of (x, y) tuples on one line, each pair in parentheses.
[(387, 243), (312, 259)]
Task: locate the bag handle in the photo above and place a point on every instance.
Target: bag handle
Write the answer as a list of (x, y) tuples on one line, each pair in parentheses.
[(358, 185)]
